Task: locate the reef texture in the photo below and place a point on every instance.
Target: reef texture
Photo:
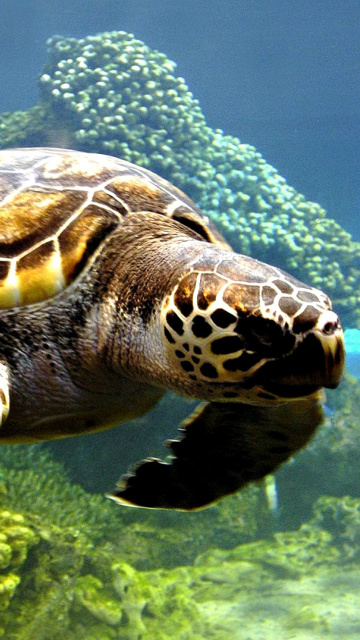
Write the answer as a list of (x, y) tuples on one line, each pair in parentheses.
[(55, 583), (73, 564), (111, 94), (64, 572), (34, 484)]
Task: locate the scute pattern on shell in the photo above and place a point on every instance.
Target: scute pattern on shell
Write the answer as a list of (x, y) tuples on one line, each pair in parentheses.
[(58, 206)]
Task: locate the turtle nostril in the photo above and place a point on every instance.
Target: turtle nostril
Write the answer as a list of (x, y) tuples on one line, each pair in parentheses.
[(329, 328), (329, 323)]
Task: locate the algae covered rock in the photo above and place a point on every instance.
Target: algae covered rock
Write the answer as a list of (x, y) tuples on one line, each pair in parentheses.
[(83, 591), (158, 604), (38, 486), (285, 553), (91, 594), (16, 539), (340, 516)]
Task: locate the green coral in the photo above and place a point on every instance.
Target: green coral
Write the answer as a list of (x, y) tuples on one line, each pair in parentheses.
[(58, 579), (287, 552), (26, 128), (8, 584), (340, 516), (110, 93), (16, 539), (80, 592), (33, 483)]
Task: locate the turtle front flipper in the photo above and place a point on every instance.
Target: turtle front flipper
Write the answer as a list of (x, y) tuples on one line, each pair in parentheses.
[(224, 447), (4, 392)]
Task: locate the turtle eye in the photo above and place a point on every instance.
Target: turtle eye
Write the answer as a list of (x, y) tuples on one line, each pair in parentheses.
[(193, 224), (264, 335)]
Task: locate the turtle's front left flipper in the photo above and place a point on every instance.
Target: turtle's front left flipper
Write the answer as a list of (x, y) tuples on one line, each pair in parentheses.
[(4, 392), (224, 447)]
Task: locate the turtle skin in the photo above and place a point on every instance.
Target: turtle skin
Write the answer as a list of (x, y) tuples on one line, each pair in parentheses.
[(115, 287)]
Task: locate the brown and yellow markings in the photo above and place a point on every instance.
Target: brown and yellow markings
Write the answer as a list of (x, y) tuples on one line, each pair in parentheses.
[(183, 296), (39, 274), (31, 217), (140, 195), (57, 207), (109, 200), (46, 238), (36, 276), (209, 287), (81, 238), (75, 169), (242, 297)]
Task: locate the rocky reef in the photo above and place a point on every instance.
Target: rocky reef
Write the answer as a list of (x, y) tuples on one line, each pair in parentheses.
[(68, 581), (110, 93), (73, 563), (76, 564), (34, 483)]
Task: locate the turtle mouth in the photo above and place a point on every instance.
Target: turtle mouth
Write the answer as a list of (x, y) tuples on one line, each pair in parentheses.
[(317, 361), (291, 391)]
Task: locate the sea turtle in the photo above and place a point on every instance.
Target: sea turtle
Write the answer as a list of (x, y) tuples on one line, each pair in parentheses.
[(115, 287)]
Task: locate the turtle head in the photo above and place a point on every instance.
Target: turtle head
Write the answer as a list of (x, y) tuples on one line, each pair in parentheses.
[(238, 329)]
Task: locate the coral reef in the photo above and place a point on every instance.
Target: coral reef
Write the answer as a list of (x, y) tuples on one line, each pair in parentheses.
[(341, 516), (34, 484), (55, 582), (76, 565), (110, 93), (288, 553), (69, 588), (16, 539), (26, 128)]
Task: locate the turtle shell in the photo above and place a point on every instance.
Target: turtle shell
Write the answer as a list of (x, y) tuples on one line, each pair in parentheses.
[(59, 206)]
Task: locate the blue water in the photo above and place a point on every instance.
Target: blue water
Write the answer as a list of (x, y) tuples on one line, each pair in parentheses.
[(281, 76)]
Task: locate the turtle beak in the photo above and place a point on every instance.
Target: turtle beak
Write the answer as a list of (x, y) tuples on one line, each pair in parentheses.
[(316, 361), (330, 335)]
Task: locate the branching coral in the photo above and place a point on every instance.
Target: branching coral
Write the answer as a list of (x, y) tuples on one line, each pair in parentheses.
[(16, 538), (35, 484), (56, 579)]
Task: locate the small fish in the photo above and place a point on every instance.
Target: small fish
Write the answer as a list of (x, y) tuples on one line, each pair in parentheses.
[(271, 493)]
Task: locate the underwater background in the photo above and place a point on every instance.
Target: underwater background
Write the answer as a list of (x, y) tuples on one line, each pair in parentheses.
[(255, 114)]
